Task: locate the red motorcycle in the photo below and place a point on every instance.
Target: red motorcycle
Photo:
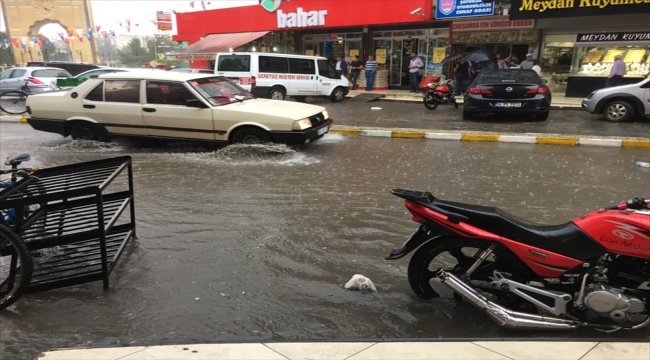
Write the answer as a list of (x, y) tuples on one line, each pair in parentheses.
[(593, 271), (437, 91)]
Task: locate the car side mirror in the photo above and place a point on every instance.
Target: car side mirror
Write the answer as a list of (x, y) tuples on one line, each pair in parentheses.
[(195, 103)]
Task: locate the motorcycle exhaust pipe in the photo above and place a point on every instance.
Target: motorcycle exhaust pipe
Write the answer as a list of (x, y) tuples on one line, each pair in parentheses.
[(502, 316)]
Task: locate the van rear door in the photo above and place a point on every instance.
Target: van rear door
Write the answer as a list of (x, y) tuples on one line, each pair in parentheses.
[(236, 67)]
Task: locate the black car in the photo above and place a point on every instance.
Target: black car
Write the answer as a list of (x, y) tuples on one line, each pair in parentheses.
[(507, 91)]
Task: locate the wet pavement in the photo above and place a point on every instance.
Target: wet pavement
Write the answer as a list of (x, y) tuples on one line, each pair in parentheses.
[(254, 243)]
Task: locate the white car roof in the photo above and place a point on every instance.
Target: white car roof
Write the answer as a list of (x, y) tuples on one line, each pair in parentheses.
[(154, 74)]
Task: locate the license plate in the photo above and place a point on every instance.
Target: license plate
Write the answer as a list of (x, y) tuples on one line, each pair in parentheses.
[(507, 104), (323, 130)]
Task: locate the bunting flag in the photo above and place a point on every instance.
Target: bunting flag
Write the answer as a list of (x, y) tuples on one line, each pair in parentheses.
[(47, 42), (15, 43), (34, 39), (6, 43), (61, 36), (97, 28), (70, 33), (90, 33), (192, 4), (39, 42), (23, 42), (203, 4), (66, 40), (104, 34), (128, 25), (112, 32)]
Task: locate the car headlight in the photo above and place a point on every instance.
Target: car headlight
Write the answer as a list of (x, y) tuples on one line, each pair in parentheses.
[(326, 115), (301, 124)]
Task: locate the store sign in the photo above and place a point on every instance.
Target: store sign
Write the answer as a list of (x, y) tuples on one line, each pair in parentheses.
[(535, 9), (503, 37), (164, 20), (448, 9), (613, 37), (301, 18), (484, 25)]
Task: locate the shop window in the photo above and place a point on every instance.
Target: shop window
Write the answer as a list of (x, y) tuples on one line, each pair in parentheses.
[(301, 66), (272, 64)]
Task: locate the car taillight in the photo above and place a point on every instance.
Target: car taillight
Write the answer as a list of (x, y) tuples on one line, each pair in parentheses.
[(479, 90), (34, 81), (253, 82), (539, 90)]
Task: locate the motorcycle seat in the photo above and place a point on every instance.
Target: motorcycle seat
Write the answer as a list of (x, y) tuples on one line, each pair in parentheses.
[(565, 239)]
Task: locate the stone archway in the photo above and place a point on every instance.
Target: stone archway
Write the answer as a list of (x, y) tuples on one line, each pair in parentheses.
[(24, 19)]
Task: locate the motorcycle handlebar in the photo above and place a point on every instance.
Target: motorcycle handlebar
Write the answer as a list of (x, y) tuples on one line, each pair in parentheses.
[(637, 203)]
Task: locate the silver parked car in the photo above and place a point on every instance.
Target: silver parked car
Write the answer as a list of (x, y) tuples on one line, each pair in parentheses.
[(37, 79), (620, 103)]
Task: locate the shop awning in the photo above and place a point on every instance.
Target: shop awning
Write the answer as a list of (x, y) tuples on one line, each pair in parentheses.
[(205, 48)]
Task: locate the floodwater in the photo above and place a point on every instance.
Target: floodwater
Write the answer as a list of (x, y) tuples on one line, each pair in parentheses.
[(254, 243)]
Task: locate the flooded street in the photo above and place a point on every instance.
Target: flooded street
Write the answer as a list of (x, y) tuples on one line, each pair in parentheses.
[(254, 243)]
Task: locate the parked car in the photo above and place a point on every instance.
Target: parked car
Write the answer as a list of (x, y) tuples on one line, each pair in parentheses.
[(620, 103), (165, 104), (73, 68), (37, 79), (69, 83), (507, 91)]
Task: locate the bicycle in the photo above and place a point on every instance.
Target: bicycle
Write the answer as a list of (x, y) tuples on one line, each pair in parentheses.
[(14, 101), (16, 263)]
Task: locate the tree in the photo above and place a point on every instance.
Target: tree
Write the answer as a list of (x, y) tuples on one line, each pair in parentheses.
[(134, 55), (159, 45)]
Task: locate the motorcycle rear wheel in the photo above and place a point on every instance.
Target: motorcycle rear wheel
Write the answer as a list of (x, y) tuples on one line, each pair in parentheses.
[(430, 102), (455, 255)]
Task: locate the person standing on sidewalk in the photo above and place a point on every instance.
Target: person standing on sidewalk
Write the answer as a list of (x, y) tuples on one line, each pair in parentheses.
[(355, 70), (341, 66), (414, 71), (461, 75), (616, 72), (371, 70)]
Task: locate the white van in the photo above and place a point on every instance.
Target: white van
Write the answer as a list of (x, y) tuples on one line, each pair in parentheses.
[(279, 75)]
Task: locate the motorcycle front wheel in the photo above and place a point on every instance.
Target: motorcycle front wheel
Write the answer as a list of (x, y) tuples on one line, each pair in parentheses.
[(455, 255), (430, 101)]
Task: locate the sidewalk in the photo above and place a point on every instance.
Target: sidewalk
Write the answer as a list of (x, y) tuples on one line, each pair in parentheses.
[(558, 101), (444, 350)]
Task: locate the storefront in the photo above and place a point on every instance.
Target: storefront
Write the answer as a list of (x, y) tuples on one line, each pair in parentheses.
[(497, 35), (578, 44), (389, 32)]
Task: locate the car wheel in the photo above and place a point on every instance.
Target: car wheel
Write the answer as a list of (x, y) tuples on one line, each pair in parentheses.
[(250, 135), (277, 93), (541, 116), (337, 95), (83, 130), (619, 111), (467, 115)]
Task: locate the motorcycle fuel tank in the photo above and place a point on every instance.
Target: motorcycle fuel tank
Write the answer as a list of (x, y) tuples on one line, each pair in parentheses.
[(624, 232)]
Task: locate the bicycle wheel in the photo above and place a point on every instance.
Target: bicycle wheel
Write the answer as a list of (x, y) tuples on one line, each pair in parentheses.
[(13, 102), (15, 267)]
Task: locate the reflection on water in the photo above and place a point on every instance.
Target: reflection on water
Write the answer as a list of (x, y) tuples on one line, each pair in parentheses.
[(255, 242)]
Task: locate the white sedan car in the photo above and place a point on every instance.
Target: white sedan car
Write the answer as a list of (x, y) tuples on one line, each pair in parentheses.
[(620, 103), (174, 105)]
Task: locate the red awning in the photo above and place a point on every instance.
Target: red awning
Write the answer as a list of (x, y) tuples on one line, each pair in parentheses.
[(205, 48)]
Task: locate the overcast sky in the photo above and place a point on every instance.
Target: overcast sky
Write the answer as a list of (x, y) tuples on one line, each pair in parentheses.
[(110, 13)]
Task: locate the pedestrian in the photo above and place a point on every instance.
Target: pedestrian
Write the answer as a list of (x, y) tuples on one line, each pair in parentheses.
[(503, 63), (355, 70), (528, 63), (341, 66), (514, 62), (474, 69), (538, 69), (414, 71), (616, 72), (461, 75), (371, 70)]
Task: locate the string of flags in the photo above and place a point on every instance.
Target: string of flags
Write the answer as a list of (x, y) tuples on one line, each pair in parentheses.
[(92, 33)]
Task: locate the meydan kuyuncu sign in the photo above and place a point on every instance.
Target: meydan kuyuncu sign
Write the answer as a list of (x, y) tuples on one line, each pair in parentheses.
[(446, 9), (537, 9)]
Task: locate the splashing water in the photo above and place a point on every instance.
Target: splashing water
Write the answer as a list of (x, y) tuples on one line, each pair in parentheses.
[(90, 146), (253, 154)]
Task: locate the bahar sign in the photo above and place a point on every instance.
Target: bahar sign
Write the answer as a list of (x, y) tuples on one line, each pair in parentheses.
[(536, 9), (298, 19)]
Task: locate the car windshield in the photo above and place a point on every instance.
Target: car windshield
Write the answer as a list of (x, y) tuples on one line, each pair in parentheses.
[(508, 76), (220, 91)]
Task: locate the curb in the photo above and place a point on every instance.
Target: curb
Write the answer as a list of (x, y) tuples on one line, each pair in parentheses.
[(406, 98), (548, 139)]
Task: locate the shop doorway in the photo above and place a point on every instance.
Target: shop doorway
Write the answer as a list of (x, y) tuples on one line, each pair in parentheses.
[(400, 58)]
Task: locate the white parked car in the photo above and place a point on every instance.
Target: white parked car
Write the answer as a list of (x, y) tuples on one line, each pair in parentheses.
[(165, 104), (620, 103), (37, 79)]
